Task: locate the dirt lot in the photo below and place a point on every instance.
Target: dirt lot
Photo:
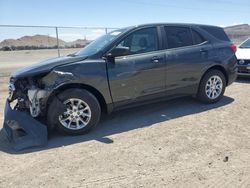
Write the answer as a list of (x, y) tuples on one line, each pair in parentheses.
[(180, 143), (10, 60)]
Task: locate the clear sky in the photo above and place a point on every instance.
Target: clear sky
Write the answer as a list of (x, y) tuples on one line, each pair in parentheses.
[(119, 13)]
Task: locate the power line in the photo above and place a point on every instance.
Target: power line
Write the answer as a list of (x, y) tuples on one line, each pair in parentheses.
[(231, 2), (180, 7)]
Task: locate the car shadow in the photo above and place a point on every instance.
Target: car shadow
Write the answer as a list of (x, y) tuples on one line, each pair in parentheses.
[(126, 120), (243, 79)]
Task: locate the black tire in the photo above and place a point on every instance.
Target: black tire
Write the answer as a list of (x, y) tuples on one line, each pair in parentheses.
[(55, 110), (201, 95)]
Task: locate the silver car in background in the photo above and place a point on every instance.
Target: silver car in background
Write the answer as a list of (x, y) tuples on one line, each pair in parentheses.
[(243, 56)]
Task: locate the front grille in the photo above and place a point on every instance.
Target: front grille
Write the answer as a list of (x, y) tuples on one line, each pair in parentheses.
[(243, 69), (243, 62)]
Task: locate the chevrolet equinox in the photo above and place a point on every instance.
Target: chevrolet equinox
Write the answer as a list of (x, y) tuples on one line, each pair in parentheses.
[(123, 68)]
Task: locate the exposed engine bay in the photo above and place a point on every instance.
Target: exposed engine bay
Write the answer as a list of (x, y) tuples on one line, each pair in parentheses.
[(29, 93)]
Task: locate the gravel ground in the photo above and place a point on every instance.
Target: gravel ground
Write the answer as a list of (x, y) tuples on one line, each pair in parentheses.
[(179, 143), (12, 60)]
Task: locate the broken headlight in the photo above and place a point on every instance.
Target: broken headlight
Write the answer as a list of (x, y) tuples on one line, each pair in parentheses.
[(12, 90)]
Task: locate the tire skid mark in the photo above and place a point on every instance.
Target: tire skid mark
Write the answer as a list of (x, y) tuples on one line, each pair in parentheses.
[(220, 182), (245, 182), (105, 180), (226, 181)]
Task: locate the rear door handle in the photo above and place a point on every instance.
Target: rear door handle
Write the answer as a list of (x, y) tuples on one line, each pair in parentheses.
[(156, 59)]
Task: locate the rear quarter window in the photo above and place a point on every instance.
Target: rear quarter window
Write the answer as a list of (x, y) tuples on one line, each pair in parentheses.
[(217, 32), (197, 38)]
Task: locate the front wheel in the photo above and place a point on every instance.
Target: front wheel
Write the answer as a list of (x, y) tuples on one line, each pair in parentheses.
[(81, 112), (212, 87)]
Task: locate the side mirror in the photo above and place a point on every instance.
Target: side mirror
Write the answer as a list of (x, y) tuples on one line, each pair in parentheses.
[(118, 51)]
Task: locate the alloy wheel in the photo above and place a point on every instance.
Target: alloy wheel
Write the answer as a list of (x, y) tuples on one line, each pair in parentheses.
[(77, 114), (214, 87)]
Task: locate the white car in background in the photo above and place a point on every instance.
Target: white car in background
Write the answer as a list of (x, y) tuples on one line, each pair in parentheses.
[(243, 56)]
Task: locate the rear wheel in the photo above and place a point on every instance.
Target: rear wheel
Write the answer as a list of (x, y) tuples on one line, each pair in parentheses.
[(212, 87), (80, 114)]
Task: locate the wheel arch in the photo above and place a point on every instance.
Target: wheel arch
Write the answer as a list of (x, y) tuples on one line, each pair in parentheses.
[(217, 67), (89, 88)]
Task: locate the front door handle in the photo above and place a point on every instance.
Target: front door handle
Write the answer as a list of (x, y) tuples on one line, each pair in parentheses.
[(203, 50)]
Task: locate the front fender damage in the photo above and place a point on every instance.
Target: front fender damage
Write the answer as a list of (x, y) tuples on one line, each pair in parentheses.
[(22, 123)]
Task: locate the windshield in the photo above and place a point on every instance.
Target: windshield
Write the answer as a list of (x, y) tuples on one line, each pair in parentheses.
[(100, 43), (245, 44)]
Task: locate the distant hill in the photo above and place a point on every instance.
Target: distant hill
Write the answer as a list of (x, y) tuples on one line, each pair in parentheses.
[(78, 43), (39, 42), (36, 40), (238, 33)]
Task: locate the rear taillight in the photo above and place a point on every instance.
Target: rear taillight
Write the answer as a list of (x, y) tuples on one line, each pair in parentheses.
[(233, 47)]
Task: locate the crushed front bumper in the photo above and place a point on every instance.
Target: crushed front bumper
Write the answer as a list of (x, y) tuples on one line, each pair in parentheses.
[(23, 130)]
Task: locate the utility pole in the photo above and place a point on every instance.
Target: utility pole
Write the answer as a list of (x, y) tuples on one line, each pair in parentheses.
[(57, 41)]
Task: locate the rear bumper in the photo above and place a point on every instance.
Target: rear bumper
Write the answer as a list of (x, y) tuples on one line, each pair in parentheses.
[(23, 130), (231, 70), (232, 78), (232, 75)]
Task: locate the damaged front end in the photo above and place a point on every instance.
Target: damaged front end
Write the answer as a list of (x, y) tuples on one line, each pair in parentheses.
[(30, 91), (24, 111)]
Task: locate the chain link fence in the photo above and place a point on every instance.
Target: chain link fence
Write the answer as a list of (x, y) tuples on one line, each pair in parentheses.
[(24, 45)]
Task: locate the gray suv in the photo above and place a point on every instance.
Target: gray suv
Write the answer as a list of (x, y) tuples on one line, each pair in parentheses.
[(124, 68)]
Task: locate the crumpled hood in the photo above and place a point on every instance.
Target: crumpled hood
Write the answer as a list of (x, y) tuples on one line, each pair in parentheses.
[(45, 66)]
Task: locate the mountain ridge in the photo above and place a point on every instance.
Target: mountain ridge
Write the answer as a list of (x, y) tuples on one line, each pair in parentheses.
[(238, 33), (41, 41)]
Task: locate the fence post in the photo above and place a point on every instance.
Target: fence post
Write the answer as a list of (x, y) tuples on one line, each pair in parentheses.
[(57, 41)]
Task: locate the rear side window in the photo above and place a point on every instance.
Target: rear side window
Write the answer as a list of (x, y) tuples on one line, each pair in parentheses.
[(178, 37), (198, 39), (217, 32)]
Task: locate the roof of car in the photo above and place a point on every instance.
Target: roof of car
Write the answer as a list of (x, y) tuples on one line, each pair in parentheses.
[(173, 24)]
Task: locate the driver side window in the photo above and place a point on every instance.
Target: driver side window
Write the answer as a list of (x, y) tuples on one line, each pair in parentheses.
[(141, 41)]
